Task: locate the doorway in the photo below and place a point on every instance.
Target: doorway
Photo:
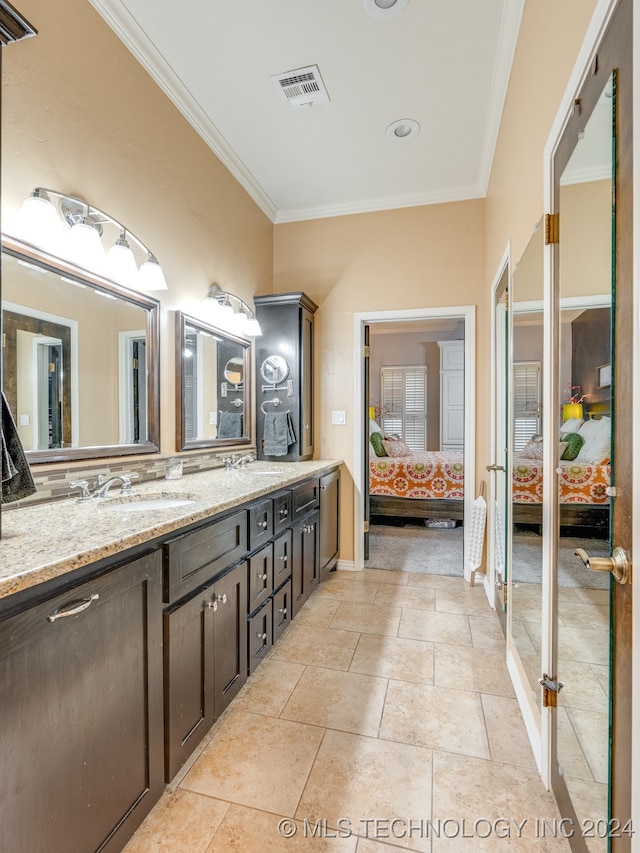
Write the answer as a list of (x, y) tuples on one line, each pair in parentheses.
[(390, 323)]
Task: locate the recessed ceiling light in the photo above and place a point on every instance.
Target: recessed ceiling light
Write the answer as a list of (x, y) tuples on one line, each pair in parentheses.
[(384, 8), (403, 129)]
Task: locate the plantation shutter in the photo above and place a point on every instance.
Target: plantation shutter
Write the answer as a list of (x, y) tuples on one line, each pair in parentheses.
[(404, 400), (526, 402)]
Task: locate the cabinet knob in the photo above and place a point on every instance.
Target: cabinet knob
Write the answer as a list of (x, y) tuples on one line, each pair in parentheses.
[(222, 598), (212, 605), (261, 636), (306, 426), (283, 558), (263, 524), (283, 610), (284, 512), (263, 577)]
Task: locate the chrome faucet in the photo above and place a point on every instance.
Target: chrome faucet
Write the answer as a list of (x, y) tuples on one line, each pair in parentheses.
[(233, 463), (103, 486)]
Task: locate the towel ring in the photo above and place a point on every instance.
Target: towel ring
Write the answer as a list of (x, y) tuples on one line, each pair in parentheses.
[(275, 402)]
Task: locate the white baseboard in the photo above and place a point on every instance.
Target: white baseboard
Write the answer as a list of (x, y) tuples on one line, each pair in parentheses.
[(346, 566)]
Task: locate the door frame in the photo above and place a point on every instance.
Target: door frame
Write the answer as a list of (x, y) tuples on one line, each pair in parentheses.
[(464, 312)]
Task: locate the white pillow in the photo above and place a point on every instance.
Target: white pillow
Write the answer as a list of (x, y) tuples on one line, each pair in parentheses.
[(571, 425), (597, 441), (373, 426), (592, 427)]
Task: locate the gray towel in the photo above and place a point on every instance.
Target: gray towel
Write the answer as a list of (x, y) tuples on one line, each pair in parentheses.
[(17, 482), (279, 434), (230, 425)]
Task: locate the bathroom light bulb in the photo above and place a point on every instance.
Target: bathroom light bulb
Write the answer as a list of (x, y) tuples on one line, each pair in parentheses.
[(38, 222), (252, 328), (121, 264), (150, 276), (84, 246)]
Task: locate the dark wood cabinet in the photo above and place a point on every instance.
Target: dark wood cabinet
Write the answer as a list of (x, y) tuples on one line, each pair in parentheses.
[(286, 320), (205, 662), (329, 536), (305, 573), (81, 713)]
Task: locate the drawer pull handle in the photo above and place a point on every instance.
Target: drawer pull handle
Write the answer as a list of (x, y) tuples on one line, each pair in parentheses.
[(283, 610), (75, 608), (263, 577), (263, 524), (261, 636)]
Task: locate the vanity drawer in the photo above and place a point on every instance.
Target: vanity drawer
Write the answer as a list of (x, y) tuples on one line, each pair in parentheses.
[(281, 609), (260, 523), (305, 497), (194, 558), (260, 567), (282, 558), (281, 511), (260, 633)]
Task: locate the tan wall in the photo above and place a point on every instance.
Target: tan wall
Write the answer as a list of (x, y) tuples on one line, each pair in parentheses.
[(80, 115)]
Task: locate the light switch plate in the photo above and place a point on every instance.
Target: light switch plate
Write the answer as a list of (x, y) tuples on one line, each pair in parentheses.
[(24, 420), (339, 418)]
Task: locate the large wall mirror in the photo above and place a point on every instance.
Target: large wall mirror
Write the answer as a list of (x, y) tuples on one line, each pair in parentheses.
[(80, 359), (214, 386)]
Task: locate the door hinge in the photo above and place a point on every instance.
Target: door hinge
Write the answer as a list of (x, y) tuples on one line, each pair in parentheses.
[(366, 352), (505, 594), (4, 339), (550, 689), (506, 300), (134, 363), (551, 228), (366, 527)]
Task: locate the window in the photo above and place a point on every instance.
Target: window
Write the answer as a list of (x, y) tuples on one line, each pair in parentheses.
[(527, 404), (404, 401)]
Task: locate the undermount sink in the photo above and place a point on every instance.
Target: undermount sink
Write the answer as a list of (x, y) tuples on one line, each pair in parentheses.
[(145, 503), (249, 469)]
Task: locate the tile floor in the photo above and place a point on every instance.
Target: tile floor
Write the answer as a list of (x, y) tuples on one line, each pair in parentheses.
[(383, 720)]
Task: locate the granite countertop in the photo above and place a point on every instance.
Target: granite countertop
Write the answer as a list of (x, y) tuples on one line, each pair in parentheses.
[(45, 541)]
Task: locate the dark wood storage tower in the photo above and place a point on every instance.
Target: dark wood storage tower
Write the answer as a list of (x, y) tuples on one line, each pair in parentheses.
[(286, 320)]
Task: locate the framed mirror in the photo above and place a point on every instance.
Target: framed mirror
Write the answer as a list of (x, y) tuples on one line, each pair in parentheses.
[(80, 361), (274, 369), (214, 386)]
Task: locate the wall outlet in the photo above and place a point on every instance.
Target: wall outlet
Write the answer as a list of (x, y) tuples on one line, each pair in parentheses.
[(213, 418), (339, 418)]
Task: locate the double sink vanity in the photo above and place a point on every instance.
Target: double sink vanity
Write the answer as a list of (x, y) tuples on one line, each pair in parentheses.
[(127, 625)]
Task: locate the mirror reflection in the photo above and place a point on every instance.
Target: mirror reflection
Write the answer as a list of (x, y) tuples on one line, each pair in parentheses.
[(79, 369), (274, 369), (214, 390), (584, 425)]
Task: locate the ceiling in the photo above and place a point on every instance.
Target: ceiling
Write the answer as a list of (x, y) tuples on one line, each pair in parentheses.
[(443, 64)]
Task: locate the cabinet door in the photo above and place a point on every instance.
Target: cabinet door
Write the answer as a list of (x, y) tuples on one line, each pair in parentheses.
[(229, 636), (329, 517), (260, 577), (281, 609), (81, 714), (281, 559), (260, 635), (188, 648), (260, 523), (304, 566)]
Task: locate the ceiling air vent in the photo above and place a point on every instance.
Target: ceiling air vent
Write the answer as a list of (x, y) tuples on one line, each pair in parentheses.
[(302, 87)]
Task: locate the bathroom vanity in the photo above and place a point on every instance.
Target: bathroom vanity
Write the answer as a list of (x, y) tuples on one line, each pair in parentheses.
[(125, 634)]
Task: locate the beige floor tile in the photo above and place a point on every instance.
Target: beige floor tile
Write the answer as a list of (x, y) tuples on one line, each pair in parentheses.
[(435, 717), (247, 830), (521, 637), (256, 761), (394, 657), (367, 845), (469, 601), (319, 610), (370, 618), (593, 596), (581, 615), (592, 731), (181, 822), (480, 670), (315, 646), (389, 576), (360, 779), (582, 688), (437, 581), (348, 590), (414, 598), (602, 674), (590, 800), (268, 689), (347, 701), (346, 574), (582, 644), (508, 740), (486, 632), (435, 627), (571, 757), (477, 792)]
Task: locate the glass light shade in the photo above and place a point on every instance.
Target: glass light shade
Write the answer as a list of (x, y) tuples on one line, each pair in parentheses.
[(38, 223), (226, 315), (150, 276), (239, 322), (572, 410), (84, 247), (252, 328), (121, 264)]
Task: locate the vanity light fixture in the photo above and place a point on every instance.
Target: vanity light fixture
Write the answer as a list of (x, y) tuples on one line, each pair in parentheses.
[(75, 230), (384, 9), (231, 313)]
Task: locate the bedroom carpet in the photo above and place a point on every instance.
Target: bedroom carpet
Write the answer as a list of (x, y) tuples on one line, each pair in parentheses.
[(415, 548)]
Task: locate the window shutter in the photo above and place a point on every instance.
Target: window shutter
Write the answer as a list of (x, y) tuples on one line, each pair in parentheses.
[(526, 402), (404, 398)]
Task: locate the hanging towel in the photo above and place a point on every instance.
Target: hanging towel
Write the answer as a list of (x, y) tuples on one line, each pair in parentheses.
[(17, 482), (230, 425), (279, 434)]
